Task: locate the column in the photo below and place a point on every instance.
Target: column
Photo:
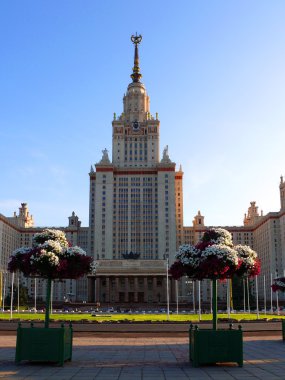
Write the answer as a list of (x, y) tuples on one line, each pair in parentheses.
[(136, 289), (172, 290), (163, 292), (145, 289), (154, 286), (98, 289), (126, 289), (117, 289), (91, 289), (107, 289)]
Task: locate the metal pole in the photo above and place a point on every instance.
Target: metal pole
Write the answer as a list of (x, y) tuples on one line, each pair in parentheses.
[(248, 303), (228, 298), (176, 286), (264, 294), (167, 289), (214, 304), (18, 286), (256, 290), (4, 290), (194, 308), (271, 303), (1, 286), (47, 302), (51, 296), (211, 297), (243, 281), (199, 299), (12, 295), (35, 289), (277, 298)]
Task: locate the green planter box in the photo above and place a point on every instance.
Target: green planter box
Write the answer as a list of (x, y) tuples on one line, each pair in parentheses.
[(215, 346), (44, 344)]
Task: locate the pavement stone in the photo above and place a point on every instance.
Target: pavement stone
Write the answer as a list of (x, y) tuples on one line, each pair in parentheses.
[(145, 358)]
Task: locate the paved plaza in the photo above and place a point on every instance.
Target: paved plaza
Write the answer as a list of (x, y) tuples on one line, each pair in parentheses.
[(145, 357)]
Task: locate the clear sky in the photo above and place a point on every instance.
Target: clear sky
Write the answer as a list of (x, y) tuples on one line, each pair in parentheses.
[(214, 71)]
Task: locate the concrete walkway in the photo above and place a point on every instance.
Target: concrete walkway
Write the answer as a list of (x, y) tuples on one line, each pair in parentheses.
[(145, 358)]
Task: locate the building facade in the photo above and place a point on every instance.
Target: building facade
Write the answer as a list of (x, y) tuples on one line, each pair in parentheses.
[(18, 231), (136, 218)]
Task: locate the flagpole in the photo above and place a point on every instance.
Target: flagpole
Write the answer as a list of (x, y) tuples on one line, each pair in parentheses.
[(199, 299), (271, 303), (12, 295), (228, 298), (211, 297), (243, 281), (176, 286), (248, 303), (256, 290), (18, 285), (193, 296), (167, 289), (51, 296), (264, 294), (35, 285), (4, 290)]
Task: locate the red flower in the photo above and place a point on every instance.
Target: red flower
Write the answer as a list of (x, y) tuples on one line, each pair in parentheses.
[(177, 270)]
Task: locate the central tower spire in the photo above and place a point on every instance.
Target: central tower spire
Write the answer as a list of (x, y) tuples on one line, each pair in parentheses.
[(136, 75)]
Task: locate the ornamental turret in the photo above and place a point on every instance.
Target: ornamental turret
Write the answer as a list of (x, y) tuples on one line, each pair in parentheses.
[(282, 193), (23, 219), (252, 215)]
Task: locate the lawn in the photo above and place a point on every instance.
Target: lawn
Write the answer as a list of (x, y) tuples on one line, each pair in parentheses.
[(133, 317)]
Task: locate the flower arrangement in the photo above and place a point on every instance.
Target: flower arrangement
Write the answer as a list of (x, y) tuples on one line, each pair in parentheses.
[(279, 284), (51, 257), (215, 257)]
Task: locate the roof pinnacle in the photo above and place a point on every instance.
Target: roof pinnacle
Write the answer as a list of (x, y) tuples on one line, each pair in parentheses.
[(136, 75)]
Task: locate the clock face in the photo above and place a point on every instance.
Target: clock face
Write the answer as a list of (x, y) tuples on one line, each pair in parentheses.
[(136, 126)]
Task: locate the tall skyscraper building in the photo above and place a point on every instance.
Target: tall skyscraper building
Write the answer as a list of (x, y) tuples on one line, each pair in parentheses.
[(133, 195)]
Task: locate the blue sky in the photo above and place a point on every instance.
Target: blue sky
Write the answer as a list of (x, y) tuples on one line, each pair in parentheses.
[(215, 74)]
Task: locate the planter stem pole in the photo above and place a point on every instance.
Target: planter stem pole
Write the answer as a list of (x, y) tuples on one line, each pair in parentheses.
[(214, 303), (47, 302)]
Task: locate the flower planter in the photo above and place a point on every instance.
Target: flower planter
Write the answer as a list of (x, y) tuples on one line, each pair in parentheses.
[(215, 257), (44, 344), (214, 346)]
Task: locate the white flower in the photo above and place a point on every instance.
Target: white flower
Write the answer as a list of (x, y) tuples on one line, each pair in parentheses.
[(21, 251), (72, 251), (188, 255), (221, 252), (224, 237), (49, 234), (247, 255), (52, 246)]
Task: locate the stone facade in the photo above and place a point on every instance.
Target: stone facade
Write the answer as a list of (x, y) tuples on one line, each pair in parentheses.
[(136, 206)]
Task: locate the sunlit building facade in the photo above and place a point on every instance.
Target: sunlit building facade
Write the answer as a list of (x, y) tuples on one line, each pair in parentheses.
[(136, 219)]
